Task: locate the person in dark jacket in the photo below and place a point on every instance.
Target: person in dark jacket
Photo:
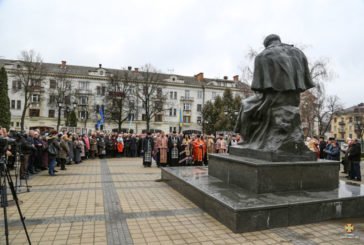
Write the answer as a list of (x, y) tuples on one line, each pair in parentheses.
[(52, 143), (333, 151), (354, 157), (147, 150), (25, 149), (133, 146), (322, 145)]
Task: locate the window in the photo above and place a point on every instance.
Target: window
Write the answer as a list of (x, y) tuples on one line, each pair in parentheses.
[(351, 136), (350, 120), (171, 95), (18, 104), (186, 119), (16, 84), (335, 120), (12, 104), (11, 124), (187, 93), (52, 99), (199, 107), (83, 100), (67, 99), (83, 85), (159, 92), (175, 95), (199, 120), (35, 98), (186, 106), (34, 112), (131, 116), (172, 112), (17, 124), (199, 94), (158, 118), (171, 129), (144, 117), (51, 113), (83, 115), (145, 90), (52, 84), (131, 105), (100, 90), (158, 105), (213, 95)]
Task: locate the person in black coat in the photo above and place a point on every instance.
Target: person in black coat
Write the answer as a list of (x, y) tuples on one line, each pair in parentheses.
[(354, 157), (147, 150), (322, 146), (133, 146)]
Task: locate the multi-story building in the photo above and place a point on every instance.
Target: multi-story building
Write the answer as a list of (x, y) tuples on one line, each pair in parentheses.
[(185, 95), (348, 123)]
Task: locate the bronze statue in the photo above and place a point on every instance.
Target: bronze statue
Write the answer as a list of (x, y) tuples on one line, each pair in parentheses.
[(270, 120)]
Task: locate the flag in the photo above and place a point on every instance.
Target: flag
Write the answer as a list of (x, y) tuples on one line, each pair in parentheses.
[(180, 117), (100, 117)]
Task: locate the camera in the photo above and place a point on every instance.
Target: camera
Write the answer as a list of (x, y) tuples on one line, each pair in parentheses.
[(5, 143)]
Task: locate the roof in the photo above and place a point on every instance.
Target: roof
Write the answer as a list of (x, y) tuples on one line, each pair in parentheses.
[(353, 109), (85, 71)]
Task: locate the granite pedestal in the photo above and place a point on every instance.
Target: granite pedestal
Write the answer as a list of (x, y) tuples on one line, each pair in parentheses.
[(260, 176), (242, 210)]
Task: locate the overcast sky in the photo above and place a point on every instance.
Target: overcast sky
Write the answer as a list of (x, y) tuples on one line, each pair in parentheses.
[(185, 36)]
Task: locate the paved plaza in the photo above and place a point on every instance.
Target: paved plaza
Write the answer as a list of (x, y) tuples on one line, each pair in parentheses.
[(117, 201)]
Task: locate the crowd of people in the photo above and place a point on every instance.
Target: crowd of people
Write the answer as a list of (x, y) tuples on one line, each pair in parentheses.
[(349, 154), (38, 151), (44, 151)]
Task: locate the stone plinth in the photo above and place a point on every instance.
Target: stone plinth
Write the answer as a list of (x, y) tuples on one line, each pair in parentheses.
[(271, 156), (243, 211), (259, 176)]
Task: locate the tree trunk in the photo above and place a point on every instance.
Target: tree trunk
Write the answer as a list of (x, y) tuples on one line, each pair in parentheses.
[(22, 119)]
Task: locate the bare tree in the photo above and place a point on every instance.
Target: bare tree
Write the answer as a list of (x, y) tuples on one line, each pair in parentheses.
[(30, 74), (61, 91), (325, 111), (149, 91), (120, 97)]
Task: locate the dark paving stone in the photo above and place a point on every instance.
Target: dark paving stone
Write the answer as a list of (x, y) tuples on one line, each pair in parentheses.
[(116, 226)]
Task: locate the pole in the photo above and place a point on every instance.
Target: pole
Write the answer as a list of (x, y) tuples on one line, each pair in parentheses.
[(59, 118)]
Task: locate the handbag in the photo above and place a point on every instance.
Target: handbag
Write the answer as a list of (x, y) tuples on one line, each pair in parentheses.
[(52, 149)]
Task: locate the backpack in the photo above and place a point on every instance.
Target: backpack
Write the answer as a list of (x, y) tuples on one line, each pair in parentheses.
[(52, 149)]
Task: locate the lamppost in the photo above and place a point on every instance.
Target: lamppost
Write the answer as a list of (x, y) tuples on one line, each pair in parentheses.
[(70, 109), (84, 117), (60, 105), (232, 115)]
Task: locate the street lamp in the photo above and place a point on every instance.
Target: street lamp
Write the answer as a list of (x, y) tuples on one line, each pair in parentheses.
[(60, 105)]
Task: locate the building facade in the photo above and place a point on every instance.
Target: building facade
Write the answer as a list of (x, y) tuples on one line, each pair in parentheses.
[(348, 123), (87, 93)]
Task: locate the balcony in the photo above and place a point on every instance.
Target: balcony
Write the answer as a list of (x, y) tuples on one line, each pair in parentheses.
[(187, 98), (36, 88), (342, 123), (83, 91), (341, 130), (187, 112)]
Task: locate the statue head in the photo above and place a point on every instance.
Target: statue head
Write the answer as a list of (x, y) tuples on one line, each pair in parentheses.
[(271, 38)]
